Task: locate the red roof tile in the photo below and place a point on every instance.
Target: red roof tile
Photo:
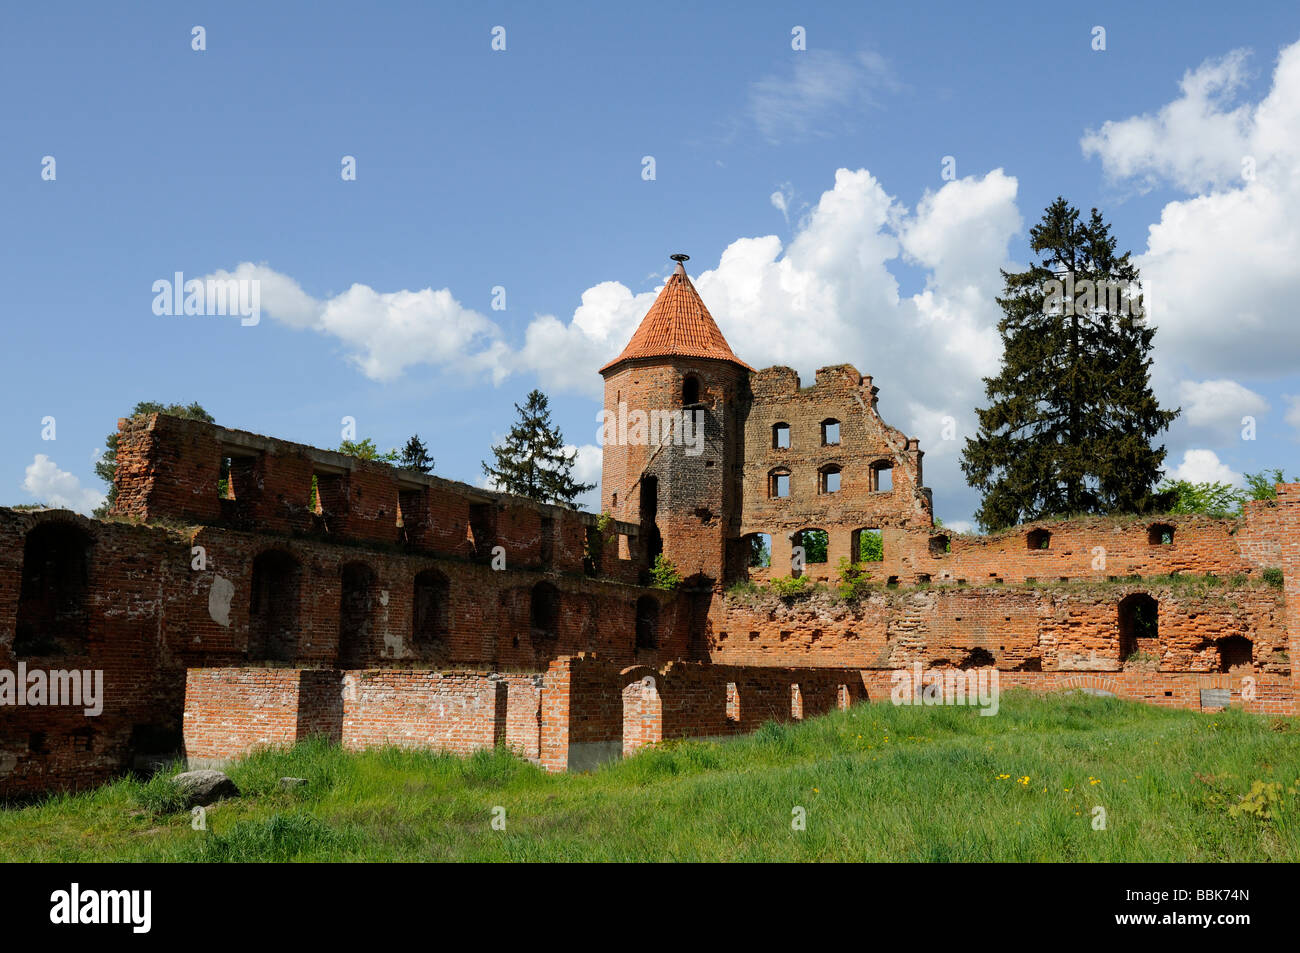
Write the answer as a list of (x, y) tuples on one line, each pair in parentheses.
[(678, 325)]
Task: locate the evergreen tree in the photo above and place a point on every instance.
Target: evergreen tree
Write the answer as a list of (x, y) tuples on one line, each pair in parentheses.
[(531, 461), (106, 465), (415, 456), (1072, 416)]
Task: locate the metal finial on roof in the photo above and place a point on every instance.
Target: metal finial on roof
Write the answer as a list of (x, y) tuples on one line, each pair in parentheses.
[(680, 258)]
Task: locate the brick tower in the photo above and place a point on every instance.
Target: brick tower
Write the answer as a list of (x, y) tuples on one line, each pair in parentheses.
[(683, 485)]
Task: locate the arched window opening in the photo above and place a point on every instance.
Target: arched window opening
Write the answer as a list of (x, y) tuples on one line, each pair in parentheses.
[(690, 390), (829, 479), (882, 477), (758, 550), (815, 544), (778, 483), (1139, 627), (867, 546)]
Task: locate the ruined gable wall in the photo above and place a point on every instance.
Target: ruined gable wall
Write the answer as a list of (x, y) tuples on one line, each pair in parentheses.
[(843, 394)]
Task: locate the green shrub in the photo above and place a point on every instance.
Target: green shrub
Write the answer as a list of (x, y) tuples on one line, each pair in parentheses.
[(855, 581), (664, 574), (1272, 576), (789, 587)]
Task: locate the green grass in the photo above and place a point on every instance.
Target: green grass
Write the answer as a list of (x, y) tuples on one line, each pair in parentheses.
[(877, 782)]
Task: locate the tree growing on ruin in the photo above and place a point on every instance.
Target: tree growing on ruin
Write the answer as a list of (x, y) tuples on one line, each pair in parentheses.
[(1071, 421), (106, 465), (532, 461), (415, 456), (366, 450)]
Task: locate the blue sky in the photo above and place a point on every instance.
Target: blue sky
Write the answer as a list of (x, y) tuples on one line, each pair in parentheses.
[(806, 186)]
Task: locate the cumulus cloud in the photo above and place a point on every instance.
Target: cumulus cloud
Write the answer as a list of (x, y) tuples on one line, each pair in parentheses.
[(54, 487), (1203, 466), (1220, 265), (827, 297), (384, 333), (1293, 411), (1195, 142), (1219, 406)]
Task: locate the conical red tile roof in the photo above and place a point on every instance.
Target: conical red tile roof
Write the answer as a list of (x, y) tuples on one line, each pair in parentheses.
[(678, 325)]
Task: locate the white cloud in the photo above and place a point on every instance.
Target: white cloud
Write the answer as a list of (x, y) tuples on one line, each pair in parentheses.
[(1219, 405), (1194, 142), (587, 469), (1204, 466), (828, 297), (820, 86), (1293, 411), (50, 485), (1220, 265), (384, 333)]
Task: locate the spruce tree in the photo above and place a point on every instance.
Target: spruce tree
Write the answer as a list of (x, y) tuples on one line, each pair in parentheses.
[(531, 461), (1072, 418), (415, 456)]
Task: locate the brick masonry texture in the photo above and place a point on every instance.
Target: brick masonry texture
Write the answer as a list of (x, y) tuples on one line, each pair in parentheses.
[(405, 609)]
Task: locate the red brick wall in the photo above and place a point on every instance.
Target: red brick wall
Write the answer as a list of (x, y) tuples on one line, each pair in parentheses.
[(840, 393), (591, 701), (230, 712), (1070, 628)]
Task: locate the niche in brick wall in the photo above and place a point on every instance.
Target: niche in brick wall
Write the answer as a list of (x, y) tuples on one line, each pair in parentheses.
[(273, 607), (647, 623), (1235, 651), (430, 611), (356, 606), (1037, 539), (53, 609), (544, 611), (593, 552)]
